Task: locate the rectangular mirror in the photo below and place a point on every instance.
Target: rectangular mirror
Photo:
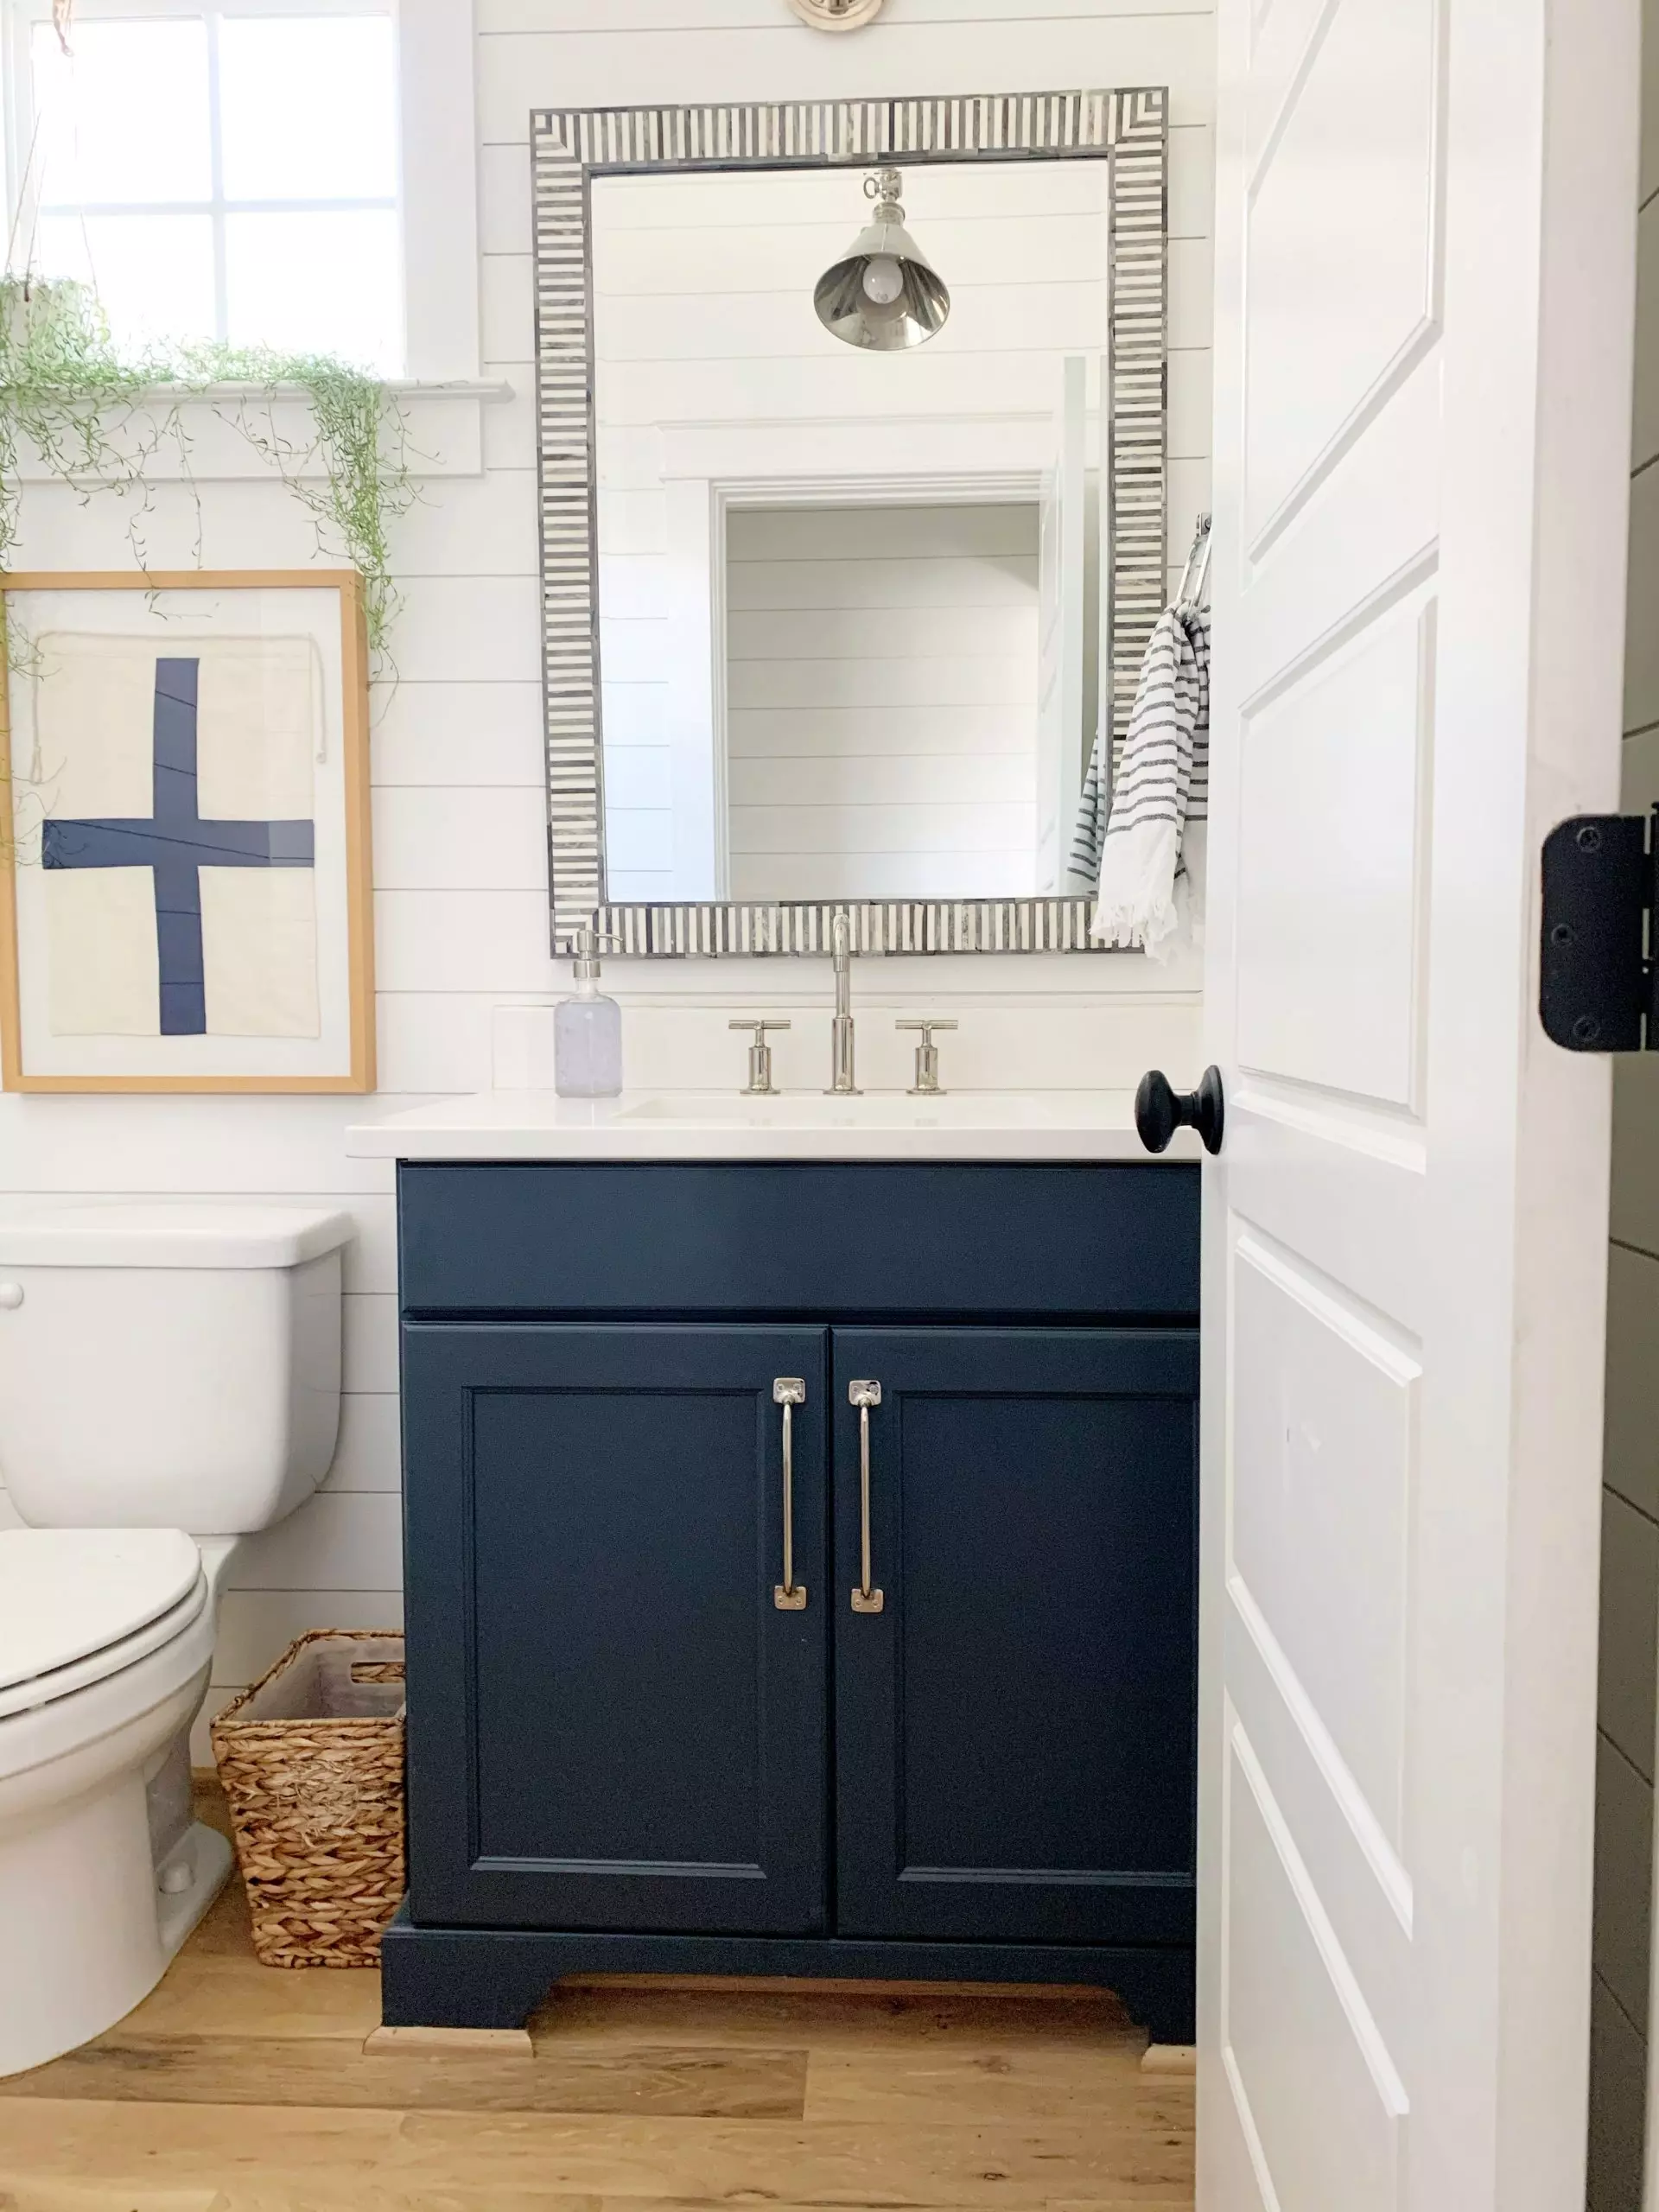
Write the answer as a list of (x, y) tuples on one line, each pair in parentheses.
[(852, 446)]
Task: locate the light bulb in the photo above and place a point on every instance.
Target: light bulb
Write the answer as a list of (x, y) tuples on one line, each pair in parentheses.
[(883, 279)]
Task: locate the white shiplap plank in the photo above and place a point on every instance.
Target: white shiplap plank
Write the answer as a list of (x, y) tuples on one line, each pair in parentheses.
[(504, 224), (469, 526), (867, 732), (482, 940), (369, 1325), (872, 831), (959, 680), (1193, 182), (634, 648), (902, 533), (178, 1146), (875, 581), (637, 776), (368, 1456), (990, 629), (510, 423), (488, 839), (435, 1041), (985, 875), (760, 258), (459, 733), (506, 306), (993, 780), (458, 629), (350, 1539), (639, 840), (521, 70), (257, 1626)]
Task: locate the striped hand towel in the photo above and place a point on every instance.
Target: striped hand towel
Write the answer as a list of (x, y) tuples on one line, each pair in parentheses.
[(1090, 834), (1161, 784)]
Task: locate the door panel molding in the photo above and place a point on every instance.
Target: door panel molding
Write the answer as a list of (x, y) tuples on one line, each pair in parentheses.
[(1299, 2031)]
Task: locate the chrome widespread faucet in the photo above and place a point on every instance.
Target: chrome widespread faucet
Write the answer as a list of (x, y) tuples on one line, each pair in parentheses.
[(842, 1082)]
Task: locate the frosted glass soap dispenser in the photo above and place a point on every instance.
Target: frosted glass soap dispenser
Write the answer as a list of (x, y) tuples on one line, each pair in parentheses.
[(587, 1030)]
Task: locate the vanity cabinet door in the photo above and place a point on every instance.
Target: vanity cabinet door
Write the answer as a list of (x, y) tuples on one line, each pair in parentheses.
[(1015, 1724), (612, 1722)]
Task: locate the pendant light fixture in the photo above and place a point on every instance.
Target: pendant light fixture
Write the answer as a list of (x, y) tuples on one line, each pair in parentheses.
[(882, 294)]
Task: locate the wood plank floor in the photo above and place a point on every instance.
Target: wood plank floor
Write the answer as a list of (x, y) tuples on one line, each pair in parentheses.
[(237, 2087)]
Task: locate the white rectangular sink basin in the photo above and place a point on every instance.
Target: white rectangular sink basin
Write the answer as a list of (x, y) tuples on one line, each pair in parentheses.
[(872, 1109)]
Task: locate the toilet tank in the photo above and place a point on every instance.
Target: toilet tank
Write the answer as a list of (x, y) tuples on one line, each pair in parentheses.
[(167, 1365)]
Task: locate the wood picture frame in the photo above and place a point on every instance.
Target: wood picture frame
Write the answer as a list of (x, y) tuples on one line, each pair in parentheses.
[(345, 1045)]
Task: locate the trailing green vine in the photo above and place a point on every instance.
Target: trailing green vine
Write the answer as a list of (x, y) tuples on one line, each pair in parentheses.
[(95, 417)]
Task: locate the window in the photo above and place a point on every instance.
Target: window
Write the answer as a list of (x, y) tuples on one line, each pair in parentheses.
[(228, 173)]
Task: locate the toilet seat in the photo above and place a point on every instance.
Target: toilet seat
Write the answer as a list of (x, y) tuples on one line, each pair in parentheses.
[(77, 1605)]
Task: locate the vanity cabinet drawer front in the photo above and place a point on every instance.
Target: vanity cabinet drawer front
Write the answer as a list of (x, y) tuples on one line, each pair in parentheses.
[(613, 1723), (1014, 1717), (1116, 1241)]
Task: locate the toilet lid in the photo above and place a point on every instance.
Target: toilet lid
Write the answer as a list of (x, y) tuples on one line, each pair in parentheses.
[(65, 1592)]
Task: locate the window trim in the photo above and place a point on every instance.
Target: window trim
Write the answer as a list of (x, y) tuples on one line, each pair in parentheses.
[(437, 156)]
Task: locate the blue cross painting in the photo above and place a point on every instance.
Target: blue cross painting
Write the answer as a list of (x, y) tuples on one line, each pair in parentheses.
[(179, 849), (176, 841)]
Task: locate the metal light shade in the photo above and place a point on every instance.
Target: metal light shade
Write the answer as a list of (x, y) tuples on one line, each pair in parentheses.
[(883, 293)]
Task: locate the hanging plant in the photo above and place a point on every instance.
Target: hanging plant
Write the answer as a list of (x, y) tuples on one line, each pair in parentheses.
[(95, 419)]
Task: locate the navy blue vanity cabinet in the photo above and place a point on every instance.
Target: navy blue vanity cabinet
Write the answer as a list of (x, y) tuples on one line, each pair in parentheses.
[(593, 1536), (1015, 1696), (639, 1741)]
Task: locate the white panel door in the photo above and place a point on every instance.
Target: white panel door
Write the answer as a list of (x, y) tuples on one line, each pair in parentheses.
[(1426, 251), (1060, 630)]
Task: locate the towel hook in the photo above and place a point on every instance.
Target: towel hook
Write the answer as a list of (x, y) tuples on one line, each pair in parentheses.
[(1195, 575)]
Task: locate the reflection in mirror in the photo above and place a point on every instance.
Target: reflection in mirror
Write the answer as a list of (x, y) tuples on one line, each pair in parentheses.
[(881, 700), (850, 599)]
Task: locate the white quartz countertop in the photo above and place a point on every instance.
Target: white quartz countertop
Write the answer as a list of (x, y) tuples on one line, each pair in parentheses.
[(708, 1125)]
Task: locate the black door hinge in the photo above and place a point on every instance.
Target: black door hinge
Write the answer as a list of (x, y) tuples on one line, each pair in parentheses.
[(1596, 973)]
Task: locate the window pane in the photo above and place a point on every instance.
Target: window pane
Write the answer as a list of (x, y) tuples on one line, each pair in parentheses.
[(317, 283), (124, 117), (307, 108), (153, 273)]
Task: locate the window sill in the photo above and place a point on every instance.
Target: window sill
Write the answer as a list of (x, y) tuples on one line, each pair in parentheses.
[(443, 429)]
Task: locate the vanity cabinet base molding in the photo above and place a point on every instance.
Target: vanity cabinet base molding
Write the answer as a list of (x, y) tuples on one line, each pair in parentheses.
[(476, 1977), (835, 1620)]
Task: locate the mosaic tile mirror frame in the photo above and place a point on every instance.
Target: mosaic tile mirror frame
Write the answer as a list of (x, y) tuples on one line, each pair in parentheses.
[(1128, 130)]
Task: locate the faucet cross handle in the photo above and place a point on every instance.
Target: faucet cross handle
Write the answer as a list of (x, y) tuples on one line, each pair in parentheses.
[(927, 1083), (759, 1084)]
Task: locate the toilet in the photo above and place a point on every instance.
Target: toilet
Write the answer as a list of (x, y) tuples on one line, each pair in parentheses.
[(164, 1369)]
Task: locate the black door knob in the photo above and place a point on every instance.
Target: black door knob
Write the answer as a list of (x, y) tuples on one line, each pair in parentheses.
[(1159, 1110)]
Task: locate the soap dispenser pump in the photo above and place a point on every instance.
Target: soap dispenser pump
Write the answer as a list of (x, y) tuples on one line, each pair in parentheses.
[(587, 1030)]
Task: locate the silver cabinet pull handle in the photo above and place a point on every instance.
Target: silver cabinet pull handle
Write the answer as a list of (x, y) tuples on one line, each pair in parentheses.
[(789, 1596), (864, 1396)]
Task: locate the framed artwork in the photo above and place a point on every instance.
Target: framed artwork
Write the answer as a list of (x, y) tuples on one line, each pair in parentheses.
[(185, 880)]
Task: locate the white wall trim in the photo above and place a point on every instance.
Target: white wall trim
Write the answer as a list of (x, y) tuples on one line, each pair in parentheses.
[(438, 137)]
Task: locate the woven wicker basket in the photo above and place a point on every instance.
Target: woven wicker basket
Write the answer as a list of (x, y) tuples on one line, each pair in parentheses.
[(312, 1761)]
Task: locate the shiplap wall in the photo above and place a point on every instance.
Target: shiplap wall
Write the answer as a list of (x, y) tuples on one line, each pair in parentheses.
[(460, 897), (1630, 1571), (881, 700)]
